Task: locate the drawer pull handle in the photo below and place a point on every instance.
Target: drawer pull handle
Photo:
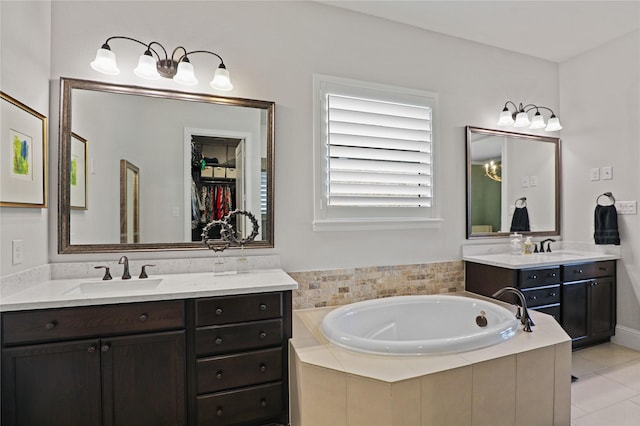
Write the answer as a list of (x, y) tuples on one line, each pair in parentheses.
[(105, 347), (263, 334), (219, 311), (219, 411), (578, 271), (218, 340), (552, 275), (533, 298), (263, 403), (552, 294), (91, 349), (219, 375), (144, 317), (533, 277), (263, 367), (263, 307), (51, 325)]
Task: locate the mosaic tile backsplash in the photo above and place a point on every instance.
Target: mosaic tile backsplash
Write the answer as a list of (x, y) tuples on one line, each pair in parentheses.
[(341, 286)]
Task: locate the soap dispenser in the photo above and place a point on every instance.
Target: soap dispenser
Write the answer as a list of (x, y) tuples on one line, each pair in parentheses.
[(528, 246)]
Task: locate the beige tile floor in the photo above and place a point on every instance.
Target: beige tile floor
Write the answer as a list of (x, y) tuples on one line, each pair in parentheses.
[(607, 392)]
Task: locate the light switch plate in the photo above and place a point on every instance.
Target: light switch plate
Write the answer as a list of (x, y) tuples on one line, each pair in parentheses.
[(627, 207), (533, 180), (16, 252), (606, 173), (525, 181), (595, 174)]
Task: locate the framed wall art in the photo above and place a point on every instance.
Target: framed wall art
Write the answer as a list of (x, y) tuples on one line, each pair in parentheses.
[(23, 155), (78, 178)]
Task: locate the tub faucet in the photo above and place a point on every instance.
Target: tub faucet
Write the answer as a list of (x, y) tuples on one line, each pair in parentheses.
[(125, 261), (525, 319)]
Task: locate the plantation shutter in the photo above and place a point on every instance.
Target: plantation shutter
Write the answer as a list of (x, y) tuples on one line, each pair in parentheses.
[(379, 153)]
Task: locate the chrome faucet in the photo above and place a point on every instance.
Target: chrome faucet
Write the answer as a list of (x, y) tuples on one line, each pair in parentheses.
[(525, 319), (125, 261)]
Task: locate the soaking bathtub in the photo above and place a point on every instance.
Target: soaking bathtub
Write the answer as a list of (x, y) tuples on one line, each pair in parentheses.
[(419, 325)]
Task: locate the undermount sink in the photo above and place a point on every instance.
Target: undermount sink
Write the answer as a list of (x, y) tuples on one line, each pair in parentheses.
[(116, 286)]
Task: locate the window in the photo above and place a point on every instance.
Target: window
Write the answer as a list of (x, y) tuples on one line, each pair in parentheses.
[(374, 160)]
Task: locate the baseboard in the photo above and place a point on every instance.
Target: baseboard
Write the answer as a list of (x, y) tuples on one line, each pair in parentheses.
[(627, 337)]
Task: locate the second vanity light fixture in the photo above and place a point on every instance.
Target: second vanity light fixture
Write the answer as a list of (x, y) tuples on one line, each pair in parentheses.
[(520, 118), (152, 66)]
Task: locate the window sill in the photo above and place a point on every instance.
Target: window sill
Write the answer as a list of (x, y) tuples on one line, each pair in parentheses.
[(375, 224)]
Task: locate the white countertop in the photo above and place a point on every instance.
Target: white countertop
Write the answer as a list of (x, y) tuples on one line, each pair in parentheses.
[(84, 292), (563, 257)]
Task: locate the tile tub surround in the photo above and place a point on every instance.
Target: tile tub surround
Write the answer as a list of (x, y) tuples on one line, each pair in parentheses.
[(342, 286), (523, 381)]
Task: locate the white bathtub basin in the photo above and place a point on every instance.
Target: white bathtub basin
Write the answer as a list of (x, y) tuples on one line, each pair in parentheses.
[(418, 325)]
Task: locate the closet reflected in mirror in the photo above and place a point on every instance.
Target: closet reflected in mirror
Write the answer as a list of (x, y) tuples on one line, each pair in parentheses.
[(513, 183)]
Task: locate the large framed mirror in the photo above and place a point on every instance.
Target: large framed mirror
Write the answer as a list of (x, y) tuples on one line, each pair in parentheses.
[(513, 183), (198, 157)]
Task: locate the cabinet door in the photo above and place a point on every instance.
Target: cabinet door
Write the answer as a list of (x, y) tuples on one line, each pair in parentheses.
[(601, 304), (144, 379), (574, 309), (52, 384)]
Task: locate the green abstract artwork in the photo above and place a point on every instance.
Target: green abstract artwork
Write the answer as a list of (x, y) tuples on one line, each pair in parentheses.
[(20, 156), (74, 172)]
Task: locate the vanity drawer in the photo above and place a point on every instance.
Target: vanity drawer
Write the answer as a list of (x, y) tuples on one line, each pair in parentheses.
[(249, 404), (229, 309), (233, 371), (581, 271), (539, 276), (105, 320), (215, 340), (539, 296)]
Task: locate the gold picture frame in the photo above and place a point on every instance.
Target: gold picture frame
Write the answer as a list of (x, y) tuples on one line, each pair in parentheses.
[(78, 169), (23, 155)]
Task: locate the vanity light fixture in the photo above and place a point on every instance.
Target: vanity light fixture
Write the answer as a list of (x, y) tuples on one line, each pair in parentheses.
[(152, 66), (520, 118), (491, 171)]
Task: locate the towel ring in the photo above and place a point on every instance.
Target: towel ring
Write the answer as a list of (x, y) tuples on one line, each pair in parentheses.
[(606, 194), (523, 202)]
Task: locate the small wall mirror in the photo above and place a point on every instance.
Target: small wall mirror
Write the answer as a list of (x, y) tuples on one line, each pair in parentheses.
[(513, 183), (189, 159)]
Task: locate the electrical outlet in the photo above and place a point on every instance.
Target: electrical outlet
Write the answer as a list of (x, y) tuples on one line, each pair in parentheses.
[(16, 251), (533, 180), (595, 174), (606, 173), (627, 207)]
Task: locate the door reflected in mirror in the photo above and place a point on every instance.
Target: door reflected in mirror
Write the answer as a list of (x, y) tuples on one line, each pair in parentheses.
[(513, 183), (183, 144), (129, 203)]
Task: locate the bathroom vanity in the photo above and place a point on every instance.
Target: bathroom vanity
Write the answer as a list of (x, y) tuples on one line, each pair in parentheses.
[(578, 290), (195, 350)]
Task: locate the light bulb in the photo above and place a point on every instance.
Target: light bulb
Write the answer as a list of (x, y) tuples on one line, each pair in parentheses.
[(506, 118), (221, 80), (105, 61), (522, 120), (147, 67), (185, 74)]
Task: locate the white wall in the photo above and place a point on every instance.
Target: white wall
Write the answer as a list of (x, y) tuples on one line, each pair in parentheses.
[(25, 32), (272, 50), (599, 94)]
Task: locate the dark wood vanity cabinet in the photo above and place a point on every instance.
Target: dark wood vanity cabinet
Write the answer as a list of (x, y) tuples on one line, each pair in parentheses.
[(100, 365), (589, 302), (210, 361), (240, 359), (580, 296)]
